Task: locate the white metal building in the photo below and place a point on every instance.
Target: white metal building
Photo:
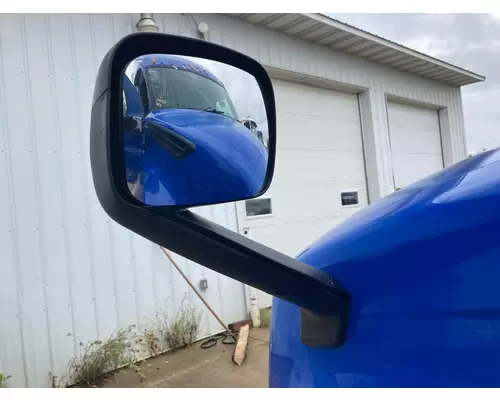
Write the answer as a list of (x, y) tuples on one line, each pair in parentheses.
[(358, 117)]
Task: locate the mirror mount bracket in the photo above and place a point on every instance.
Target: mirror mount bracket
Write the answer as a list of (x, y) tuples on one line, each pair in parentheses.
[(323, 331)]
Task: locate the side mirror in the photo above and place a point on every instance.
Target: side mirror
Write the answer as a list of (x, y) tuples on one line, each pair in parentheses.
[(192, 150)]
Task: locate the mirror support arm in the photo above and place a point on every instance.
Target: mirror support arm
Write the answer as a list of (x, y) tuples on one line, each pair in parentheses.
[(323, 300), (324, 303)]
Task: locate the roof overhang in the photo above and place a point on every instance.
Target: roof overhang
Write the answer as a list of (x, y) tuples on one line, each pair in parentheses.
[(323, 30)]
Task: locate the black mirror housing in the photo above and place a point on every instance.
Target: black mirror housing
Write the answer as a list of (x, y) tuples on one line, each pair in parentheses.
[(107, 92), (177, 228)]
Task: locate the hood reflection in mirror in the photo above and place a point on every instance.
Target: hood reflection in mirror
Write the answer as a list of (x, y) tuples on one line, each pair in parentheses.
[(195, 131)]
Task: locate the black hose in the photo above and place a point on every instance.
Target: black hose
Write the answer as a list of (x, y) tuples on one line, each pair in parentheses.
[(226, 337)]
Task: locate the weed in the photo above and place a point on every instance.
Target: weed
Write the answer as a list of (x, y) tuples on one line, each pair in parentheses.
[(98, 358), (53, 381), (152, 342), (165, 333), (3, 380), (265, 317), (183, 329)]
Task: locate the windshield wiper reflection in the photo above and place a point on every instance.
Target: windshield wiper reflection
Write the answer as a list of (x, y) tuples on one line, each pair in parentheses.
[(213, 110)]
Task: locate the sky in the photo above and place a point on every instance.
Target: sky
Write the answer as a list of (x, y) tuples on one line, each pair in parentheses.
[(470, 41)]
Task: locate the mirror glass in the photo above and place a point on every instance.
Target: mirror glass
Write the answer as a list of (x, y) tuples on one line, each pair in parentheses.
[(195, 131)]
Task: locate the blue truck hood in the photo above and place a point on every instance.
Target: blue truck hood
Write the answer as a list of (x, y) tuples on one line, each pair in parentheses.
[(229, 163), (202, 128), (421, 266)]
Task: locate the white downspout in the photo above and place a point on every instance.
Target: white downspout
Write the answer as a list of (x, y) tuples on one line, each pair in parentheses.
[(252, 294), (147, 23)]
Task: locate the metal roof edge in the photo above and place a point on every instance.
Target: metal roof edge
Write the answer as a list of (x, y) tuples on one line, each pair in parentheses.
[(386, 52), (390, 44)]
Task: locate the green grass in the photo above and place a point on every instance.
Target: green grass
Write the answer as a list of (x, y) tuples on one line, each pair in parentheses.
[(265, 317), (3, 380)]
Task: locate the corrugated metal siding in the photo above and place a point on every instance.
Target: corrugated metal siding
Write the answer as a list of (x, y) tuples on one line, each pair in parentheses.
[(65, 267)]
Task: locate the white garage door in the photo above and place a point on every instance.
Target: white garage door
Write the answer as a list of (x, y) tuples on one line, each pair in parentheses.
[(319, 158), (415, 142)]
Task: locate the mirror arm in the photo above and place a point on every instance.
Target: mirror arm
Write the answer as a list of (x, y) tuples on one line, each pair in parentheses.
[(325, 304)]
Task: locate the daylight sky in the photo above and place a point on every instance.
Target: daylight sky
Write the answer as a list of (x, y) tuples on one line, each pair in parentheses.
[(470, 41)]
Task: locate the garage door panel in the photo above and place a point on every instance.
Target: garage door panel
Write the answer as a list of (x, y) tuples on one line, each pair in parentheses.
[(307, 133), (319, 155), (410, 168), (405, 140), (409, 116), (301, 93), (321, 111), (308, 100), (299, 236), (306, 203), (415, 140), (297, 167)]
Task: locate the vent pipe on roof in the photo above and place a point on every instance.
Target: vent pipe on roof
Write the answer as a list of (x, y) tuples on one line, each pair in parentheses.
[(147, 23)]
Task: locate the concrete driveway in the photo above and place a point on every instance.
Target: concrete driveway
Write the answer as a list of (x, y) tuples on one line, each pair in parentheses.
[(202, 368)]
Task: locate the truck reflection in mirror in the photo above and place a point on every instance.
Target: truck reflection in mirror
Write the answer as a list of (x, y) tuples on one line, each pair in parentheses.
[(258, 207), (184, 135), (349, 198)]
